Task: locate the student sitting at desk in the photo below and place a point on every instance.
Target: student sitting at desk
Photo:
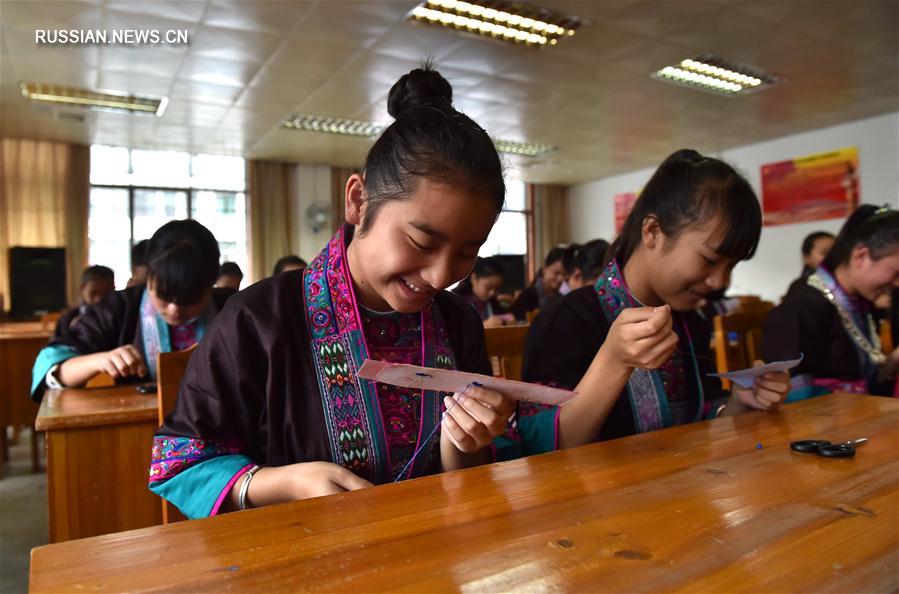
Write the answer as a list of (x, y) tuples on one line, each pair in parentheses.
[(632, 346), (480, 290), (270, 408), (96, 283), (828, 318), (122, 334)]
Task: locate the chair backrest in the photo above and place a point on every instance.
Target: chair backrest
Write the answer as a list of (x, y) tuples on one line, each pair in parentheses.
[(886, 337), (169, 371), (505, 348), (529, 316), (753, 303), (101, 380), (738, 338), (48, 320)]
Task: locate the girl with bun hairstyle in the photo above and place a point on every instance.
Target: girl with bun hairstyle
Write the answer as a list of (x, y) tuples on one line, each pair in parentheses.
[(828, 316), (271, 409)]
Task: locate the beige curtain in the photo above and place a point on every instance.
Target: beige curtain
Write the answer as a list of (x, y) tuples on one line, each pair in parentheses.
[(339, 177), (269, 214), (44, 197), (551, 224)]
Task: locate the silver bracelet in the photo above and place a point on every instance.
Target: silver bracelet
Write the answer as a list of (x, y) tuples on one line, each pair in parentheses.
[(242, 497)]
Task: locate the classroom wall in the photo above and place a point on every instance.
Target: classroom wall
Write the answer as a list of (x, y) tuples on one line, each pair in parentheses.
[(313, 184), (777, 261)]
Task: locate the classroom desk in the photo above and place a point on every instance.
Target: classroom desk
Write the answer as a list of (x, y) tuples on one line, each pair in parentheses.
[(98, 458), (693, 508), (20, 343)]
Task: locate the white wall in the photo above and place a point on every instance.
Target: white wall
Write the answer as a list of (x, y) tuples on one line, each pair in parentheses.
[(777, 261), (313, 184)]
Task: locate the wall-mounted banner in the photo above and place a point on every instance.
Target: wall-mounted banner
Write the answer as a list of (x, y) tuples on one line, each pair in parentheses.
[(623, 205), (812, 188)]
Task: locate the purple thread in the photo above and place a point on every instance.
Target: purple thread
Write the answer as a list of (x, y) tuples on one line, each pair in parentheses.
[(428, 438)]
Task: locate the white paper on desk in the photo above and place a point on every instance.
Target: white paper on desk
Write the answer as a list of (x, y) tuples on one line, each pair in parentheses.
[(446, 380), (746, 377)]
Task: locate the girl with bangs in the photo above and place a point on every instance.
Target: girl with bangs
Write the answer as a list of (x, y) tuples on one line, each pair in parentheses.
[(122, 334), (632, 345)]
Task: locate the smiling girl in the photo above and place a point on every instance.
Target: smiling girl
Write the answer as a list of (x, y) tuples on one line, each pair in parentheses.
[(270, 408), (632, 345), (828, 317)]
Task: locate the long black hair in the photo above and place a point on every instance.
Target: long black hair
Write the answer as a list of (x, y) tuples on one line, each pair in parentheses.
[(97, 273), (182, 261), (689, 189), (808, 244), (286, 261), (589, 258), (491, 266), (871, 226), (429, 139)]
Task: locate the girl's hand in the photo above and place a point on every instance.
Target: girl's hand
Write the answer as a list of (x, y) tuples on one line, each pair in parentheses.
[(766, 393), (493, 322), (315, 479), (474, 417), (279, 484), (641, 338), (124, 361)]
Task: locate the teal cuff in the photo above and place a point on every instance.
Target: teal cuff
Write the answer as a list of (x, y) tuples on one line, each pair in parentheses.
[(197, 490), (539, 434), (46, 359)]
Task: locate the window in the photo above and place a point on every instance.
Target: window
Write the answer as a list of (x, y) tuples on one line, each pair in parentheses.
[(134, 192), (510, 233)]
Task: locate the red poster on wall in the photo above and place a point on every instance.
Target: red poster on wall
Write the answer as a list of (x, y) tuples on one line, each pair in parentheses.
[(623, 205), (811, 188)]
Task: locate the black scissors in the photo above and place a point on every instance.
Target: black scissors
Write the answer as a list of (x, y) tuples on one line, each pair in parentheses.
[(824, 448)]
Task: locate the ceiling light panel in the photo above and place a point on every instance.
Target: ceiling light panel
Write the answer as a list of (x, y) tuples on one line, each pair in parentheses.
[(513, 22), (101, 100), (713, 74), (346, 127)]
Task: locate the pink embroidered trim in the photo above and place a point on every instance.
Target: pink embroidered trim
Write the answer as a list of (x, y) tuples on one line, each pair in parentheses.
[(227, 490)]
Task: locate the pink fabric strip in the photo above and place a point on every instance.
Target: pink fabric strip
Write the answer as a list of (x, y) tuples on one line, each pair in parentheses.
[(227, 490), (556, 429), (345, 272)]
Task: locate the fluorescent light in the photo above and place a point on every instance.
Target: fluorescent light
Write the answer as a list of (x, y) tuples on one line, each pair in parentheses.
[(525, 149), (102, 100), (710, 73), (347, 127), (505, 20)]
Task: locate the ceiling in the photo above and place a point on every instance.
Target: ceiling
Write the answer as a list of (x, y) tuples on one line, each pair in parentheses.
[(249, 64)]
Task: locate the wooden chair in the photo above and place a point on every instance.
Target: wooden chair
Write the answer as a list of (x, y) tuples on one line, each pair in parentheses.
[(738, 338), (529, 316), (886, 337), (48, 320), (505, 348), (101, 380), (169, 371), (752, 303)]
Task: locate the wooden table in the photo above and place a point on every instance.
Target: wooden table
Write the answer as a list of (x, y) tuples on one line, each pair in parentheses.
[(694, 508), (19, 345), (98, 458)]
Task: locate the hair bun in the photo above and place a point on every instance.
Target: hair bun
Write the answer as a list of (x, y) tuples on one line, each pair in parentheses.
[(419, 88)]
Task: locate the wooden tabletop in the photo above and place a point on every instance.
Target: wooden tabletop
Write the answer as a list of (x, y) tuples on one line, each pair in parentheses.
[(720, 506), (19, 330), (73, 408)]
